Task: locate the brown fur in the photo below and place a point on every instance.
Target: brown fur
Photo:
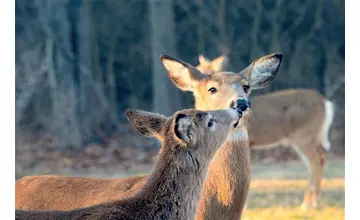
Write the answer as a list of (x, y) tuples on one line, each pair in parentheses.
[(206, 66), (48, 192), (173, 189), (234, 159), (293, 117), (226, 187)]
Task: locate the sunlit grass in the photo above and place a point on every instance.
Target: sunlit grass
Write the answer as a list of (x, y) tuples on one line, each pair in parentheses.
[(289, 196), (280, 196), (280, 212), (277, 190)]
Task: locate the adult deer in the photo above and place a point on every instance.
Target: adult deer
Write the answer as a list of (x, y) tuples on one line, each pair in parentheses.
[(300, 118), (172, 190), (227, 184)]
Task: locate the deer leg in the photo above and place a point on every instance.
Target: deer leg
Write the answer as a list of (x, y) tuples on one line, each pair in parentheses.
[(313, 158), (307, 196), (317, 173), (315, 161)]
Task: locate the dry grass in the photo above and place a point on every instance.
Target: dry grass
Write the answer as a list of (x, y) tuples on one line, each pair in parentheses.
[(279, 212), (276, 190), (281, 198)]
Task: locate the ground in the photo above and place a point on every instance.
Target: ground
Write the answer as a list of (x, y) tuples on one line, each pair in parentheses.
[(276, 192), (277, 187)]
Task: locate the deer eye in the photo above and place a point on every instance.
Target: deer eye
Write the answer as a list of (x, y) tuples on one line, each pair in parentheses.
[(246, 88), (211, 123), (212, 90)]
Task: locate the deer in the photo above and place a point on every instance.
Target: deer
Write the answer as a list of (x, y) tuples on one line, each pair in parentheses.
[(212, 66), (173, 189), (282, 118), (227, 184)]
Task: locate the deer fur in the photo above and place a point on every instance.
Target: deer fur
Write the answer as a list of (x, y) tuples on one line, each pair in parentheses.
[(173, 189), (227, 184), (207, 66), (300, 118)]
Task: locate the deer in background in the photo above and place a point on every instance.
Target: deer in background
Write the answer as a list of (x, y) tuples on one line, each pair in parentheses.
[(300, 118), (212, 66), (226, 187), (172, 190)]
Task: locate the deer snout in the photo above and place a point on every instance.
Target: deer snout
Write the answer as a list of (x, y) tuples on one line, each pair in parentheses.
[(241, 104)]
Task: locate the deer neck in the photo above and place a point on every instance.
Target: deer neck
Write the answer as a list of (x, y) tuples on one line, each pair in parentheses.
[(174, 186), (228, 180)]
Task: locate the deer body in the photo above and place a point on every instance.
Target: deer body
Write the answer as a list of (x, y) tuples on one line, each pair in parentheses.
[(284, 116), (52, 192), (300, 118), (227, 183), (173, 189)]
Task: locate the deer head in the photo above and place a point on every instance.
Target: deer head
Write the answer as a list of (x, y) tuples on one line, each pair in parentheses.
[(198, 131), (223, 89)]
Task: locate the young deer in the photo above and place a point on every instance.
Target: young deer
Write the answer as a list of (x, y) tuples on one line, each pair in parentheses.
[(227, 185), (173, 189), (300, 118)]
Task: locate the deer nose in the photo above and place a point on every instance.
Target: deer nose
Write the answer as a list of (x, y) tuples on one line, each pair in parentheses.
[(242, 104)]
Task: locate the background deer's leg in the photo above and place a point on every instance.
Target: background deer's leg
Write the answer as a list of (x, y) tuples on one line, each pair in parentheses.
[(312, 155), (317, 166)]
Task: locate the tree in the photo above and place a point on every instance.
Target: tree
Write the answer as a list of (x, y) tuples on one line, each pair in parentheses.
[(166, 98)]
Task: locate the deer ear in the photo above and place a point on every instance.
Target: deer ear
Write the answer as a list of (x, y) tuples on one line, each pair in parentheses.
[(219, 63), (183, 75), (203, 60), (183, 128), (147, 123), (263, 70)]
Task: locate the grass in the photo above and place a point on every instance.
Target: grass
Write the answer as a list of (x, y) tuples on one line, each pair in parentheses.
[(296, 170), (277, 189), (280, 212), (276, 192)]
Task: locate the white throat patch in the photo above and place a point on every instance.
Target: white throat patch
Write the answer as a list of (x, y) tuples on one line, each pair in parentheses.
[(239, 134)]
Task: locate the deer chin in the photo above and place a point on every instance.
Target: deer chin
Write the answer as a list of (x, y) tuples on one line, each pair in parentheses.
[(244, 118), (240, 132)]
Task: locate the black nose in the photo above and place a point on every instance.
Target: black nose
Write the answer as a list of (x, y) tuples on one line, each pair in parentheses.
[(242, 104), (279, 56)]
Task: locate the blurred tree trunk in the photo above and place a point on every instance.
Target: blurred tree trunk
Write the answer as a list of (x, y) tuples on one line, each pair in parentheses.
[(54, 16), (82, 74), (95, 112), (166, 97), (200, 28)]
